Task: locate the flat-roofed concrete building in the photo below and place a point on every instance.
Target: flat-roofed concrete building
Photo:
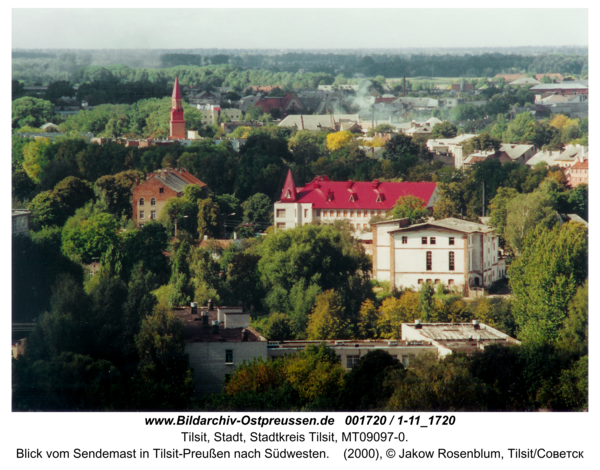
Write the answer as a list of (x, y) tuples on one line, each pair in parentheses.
[(456, 337)]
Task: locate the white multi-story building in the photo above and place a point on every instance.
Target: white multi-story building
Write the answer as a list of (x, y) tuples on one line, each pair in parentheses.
[(449, 251)]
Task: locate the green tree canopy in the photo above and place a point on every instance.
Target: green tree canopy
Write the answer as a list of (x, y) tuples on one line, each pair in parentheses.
[(409, 207)]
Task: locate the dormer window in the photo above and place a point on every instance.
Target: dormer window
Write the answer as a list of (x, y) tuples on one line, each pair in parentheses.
[(352, 198), (288, 195), (379, 199)]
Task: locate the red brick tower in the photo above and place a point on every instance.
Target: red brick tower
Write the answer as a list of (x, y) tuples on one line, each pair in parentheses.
[(177, 121)]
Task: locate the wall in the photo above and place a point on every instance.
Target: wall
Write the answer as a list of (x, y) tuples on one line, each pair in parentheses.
[(208, 362), (150, 189)]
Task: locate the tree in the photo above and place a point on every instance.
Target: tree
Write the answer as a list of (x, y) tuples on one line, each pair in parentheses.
[(574, 334), (73, 193), (278, 327), (521, 130), (208, 217), (338, 140), (524, 213), (163, 379), (35, 158), (58, 89), (367, 325), (115, 191), (409, 207), (91, 238), (381, 129), (444, 130), (46, 210), (545, 278), (403, 152), (327, 320), (28, 111), (258, 209), (498, 211), (145, 246), (365, 386), (433, 384), (395, 311), (426, 302), (483, 141), (450, 202)]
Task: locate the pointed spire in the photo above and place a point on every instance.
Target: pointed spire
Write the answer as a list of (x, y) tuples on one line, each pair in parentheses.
[(288, 193), (176, 91)]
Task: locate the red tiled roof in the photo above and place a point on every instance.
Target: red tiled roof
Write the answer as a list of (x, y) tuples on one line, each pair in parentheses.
[(582, 165), (325, 194)]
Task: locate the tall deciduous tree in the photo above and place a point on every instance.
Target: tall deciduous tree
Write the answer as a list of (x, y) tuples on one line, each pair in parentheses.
[(410, 207), (545, 278), (327, 320)]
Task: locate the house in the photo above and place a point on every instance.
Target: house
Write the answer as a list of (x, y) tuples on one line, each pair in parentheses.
[(20, 222), (286, 104), (578, 172), (448, 150), (519, 153), (218, 339), (333, 122), (451, 251), (150, 197), (461, 87), (546, 156), (571, 154), (447, 338), (211, 114), (564, 88), (323, 201)]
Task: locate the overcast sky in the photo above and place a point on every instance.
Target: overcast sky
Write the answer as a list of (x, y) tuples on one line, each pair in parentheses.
[(296, 28)]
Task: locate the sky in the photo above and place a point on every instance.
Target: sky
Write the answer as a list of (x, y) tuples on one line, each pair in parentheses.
[(310, 28)]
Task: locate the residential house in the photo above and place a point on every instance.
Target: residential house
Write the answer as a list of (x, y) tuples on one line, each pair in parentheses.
[(218, 339), (578, 172), (150, 197), (448, 150), (20, 222), (323, 201), (519, 153), (451, 251), (332, 122), (565, 88), (286, 104)]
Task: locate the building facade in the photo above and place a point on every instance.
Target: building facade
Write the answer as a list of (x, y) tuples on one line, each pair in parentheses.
[(324, 201), (150, 197), (451, 251), (20, 222)]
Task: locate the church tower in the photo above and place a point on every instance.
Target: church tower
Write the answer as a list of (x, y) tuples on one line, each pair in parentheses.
[(177, 121)]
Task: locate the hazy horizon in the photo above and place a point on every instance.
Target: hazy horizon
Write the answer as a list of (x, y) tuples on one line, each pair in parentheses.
[(311, 29)]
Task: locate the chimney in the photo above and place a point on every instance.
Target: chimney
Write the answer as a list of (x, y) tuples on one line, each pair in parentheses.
[(204, 318), (205, 237), (418, 325), (244, 334), (194, 306), (210, 304), (475, 324), (215, 327)]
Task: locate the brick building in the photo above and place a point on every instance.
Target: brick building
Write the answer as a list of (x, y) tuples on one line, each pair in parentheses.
[(177, 123), (150, 197)]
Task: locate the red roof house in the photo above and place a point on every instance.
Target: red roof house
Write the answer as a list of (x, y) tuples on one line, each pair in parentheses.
[(323, 200)]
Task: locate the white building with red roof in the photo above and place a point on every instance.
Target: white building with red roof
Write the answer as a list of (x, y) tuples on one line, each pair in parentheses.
[(323, 201)]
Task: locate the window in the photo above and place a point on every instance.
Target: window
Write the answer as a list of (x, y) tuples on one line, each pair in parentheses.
[(450, 282), (345, 213), (428, 263), (351, 213), (141, 214), (404, 240), (428, 280), (436, 282), (141, 201), (280, 224), (153, 214), (351, 361), (451, 241), (339, 213), (420, 281), (229, 356), (153, 202), (331, 213), (423, 240), (280, 213), (161, 190), (352, 226), (305, 213), (405, 360), (318, 212), (451, 261), (432, 240)]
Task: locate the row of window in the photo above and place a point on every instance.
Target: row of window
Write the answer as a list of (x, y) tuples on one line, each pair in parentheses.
[(429, 261), (152, 201), (432, 240), (152, 214), (437, 281), (280, 213)]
